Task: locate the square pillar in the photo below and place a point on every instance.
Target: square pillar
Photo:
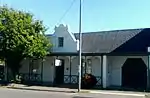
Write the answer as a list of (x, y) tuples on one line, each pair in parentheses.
[(148, 73), (42, 65), (54, 73), (70, 69), (148, 69), (104, 75)]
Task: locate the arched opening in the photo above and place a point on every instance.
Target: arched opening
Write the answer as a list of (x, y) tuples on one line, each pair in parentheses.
[(134, 73)]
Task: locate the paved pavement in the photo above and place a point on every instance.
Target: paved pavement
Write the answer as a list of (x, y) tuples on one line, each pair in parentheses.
[(15, 93)]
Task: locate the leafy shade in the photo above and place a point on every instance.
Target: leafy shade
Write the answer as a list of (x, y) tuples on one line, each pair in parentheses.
[(21, 36)]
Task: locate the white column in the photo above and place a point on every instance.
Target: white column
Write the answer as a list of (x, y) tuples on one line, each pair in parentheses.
[(54, 74), (104, 71), (148, 73)]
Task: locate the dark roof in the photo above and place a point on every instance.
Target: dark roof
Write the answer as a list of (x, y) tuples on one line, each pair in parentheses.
[(106, 41), (137, 44)]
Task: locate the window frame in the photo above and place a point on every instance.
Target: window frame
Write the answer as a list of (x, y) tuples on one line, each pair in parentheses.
[(60, 41)]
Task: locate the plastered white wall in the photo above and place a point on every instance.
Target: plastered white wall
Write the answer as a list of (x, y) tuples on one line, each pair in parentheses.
[(70, 43), (116, 63)]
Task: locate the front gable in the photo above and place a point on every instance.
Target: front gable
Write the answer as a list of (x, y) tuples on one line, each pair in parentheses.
[(63, 41)]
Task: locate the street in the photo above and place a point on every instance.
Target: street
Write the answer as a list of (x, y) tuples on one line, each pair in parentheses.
[(13, 93)]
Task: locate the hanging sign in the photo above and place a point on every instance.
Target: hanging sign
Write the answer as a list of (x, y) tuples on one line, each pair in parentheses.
[(148, 49), (57, 62)]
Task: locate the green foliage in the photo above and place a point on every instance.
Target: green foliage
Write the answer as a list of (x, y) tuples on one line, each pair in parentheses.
[(21, 36), (2, 61)]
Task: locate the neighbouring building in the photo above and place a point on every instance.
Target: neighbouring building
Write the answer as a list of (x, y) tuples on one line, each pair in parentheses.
[(117, 58)]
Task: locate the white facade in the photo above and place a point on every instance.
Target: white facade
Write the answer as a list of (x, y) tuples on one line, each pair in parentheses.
[(70, 43), (115, 64), (106, 67)]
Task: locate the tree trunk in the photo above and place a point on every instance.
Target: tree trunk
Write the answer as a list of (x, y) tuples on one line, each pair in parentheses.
[(14, 65), (15, 72)]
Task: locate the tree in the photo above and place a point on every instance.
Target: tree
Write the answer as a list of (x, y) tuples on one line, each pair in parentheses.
[(21, 36)]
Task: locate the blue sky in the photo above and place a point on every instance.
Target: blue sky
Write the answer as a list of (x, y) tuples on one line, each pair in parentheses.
[(97, 15)]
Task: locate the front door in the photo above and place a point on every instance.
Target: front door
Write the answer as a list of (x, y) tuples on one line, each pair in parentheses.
[(59, 73)]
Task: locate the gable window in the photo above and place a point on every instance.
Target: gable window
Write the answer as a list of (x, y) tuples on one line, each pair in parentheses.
[(60, 41)]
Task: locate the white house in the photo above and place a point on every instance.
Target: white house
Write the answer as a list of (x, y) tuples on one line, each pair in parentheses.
[(116, 58)]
